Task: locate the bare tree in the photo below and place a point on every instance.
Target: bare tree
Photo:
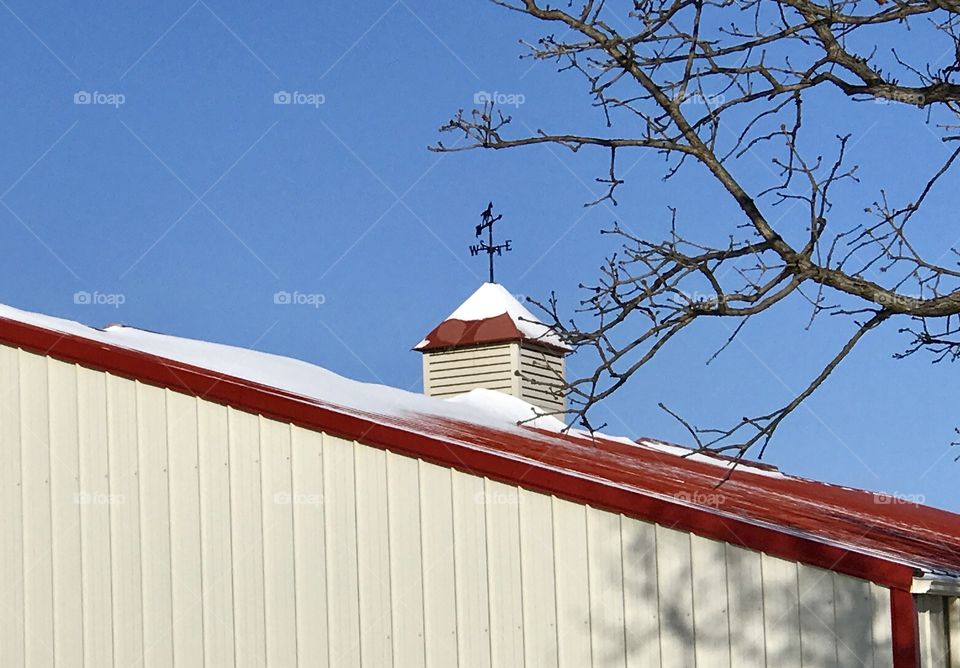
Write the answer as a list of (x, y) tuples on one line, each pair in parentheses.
[(752, 66)]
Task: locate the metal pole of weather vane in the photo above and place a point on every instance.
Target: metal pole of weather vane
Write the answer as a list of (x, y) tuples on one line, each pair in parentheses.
[(487, 219)]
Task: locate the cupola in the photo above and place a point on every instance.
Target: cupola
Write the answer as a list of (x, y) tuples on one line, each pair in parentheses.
[(492, 341)]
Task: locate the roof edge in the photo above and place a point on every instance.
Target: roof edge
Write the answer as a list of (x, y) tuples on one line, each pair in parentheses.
[(311, 414)]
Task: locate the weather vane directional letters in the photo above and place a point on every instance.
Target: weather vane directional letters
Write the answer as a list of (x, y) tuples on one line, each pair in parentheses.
[(487, 219)]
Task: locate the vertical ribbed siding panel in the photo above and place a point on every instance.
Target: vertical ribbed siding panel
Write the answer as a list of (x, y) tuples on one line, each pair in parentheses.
[(247, 531), (279, 575), (710, 620), (95, 561), (641, 613), (65, 514), (185, 566), (854, 629), (818, 643), (883, 628), (539, 587), (216, 540), (573, 583), (340, 533), (745, 596), (439, 573), (373, 557), (604, 551), (442, 553), (781, 612), (932, 624), (953, 630), (37, 564), (470, 554), (675, 585), (155, 526), (124, 503), (406, 557), (504, 578), (306, 455), (11, 512)]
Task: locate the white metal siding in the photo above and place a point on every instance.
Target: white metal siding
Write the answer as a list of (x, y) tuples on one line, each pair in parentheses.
[(447, 373), (953, 622), (142, 526), (542, 378), (529, 372), (938, 631)]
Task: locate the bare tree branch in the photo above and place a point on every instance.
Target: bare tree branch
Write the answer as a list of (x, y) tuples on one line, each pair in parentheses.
[(714, 82)]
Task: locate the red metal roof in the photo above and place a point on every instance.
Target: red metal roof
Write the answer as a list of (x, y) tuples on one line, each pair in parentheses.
[(490, 315), (459, 333), (850, 531)]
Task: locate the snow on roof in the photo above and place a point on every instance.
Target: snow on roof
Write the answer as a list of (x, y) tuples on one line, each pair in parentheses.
[(483, 407), (489, 304), (482, 428)]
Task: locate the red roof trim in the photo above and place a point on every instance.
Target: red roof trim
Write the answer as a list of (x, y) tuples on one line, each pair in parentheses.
[(454, 333), (288, 407), (906, 631)]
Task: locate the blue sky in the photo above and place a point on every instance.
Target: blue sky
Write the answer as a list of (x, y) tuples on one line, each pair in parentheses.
[(183, 191)]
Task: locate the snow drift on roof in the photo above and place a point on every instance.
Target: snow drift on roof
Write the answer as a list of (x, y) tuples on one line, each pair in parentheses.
[(486, 408)]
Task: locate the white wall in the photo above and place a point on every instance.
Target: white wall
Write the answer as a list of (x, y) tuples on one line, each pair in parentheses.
[(145, 527), (939, 627)]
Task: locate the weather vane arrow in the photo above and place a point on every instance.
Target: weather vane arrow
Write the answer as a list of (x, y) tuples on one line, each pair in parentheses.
[(487, 219)]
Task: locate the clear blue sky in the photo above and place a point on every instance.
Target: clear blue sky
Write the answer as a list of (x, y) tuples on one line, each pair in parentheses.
[(198, 198)]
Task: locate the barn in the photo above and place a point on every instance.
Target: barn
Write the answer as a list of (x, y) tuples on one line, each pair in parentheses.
[(171, 502)]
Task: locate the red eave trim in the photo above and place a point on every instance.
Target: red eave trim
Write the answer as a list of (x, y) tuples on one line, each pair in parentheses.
[(906, 630), (307, 413)]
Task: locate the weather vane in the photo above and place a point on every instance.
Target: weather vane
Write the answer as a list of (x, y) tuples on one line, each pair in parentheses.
[(487, 219)]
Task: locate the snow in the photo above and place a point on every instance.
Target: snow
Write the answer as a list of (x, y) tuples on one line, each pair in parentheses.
[(507, 407), (491, 300), (486, 408), (482, 407)]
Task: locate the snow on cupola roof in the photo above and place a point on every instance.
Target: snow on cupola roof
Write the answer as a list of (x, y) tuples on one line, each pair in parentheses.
[(490, 315)]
